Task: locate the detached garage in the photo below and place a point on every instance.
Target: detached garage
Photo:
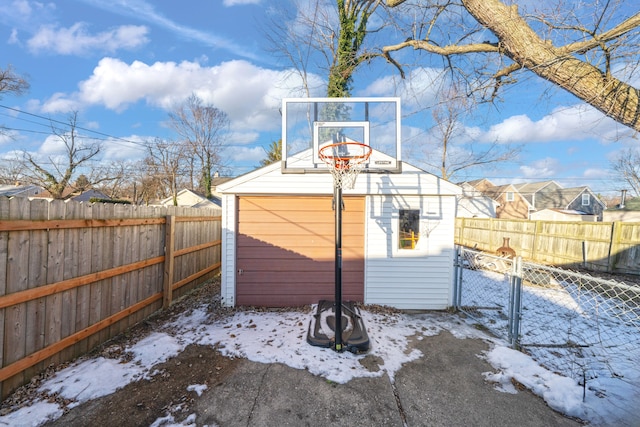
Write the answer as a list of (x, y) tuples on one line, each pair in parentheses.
[(397, 239)]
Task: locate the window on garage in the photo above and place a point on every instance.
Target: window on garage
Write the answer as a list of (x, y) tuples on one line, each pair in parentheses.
[(409, 228)]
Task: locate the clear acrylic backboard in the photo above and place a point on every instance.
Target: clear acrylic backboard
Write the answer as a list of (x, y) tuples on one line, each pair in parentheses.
[(308, 124)]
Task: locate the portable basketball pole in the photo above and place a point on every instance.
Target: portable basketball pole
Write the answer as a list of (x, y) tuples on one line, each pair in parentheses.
[(344, 167), (337, 199)]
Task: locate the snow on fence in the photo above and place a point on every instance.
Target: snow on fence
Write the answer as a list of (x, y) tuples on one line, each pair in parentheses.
[(598, 246), (74, 275), (578, 325)]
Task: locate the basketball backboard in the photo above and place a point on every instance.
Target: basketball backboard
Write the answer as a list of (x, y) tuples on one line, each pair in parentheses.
[(308, 124)]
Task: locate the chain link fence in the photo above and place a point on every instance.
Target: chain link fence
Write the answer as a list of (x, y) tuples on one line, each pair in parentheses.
[(578, 325)]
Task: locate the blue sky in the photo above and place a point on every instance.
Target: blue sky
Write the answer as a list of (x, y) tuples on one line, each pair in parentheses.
[(123, 64)]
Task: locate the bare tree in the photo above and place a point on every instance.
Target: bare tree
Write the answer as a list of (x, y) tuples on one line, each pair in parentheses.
[(588, 65), (626, 167), (11, 82), (56, 173), (122, 178), (164, 166), (452, 150), (11, 169), (203, 129)]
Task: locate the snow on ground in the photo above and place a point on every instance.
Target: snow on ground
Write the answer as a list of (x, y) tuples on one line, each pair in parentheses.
[(570, 330), (280, 337)]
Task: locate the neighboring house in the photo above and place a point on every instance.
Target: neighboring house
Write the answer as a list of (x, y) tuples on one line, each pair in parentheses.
[(472, 203), (629, 212), (192, 199), (70, 193), (550, 195), (481, 184), (86, 196), (278, 241), (18, 190), (526, 201), (512, 205), (215, 182)]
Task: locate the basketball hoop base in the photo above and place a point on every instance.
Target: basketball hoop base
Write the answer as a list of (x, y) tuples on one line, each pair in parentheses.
[(322, 328)]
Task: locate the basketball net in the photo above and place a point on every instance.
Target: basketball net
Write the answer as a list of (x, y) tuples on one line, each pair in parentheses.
[(345, 161)]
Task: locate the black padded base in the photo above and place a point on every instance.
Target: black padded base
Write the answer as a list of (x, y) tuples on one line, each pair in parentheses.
[(354, 334)]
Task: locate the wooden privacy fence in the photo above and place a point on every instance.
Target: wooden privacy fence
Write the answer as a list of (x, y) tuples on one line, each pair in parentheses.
[(599, 246), (74, 275)]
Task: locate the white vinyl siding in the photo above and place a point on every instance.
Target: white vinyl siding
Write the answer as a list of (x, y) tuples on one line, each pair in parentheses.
[(228, 271), (410, 279)]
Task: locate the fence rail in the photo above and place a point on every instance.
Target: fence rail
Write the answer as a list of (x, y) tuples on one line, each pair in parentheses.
[(598, 246), (74, 275)]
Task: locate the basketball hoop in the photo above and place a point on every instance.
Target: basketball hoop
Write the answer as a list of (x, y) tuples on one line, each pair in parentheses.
[(345, 161)]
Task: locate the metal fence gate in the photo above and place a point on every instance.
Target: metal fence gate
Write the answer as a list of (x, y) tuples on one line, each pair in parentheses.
[(580, 326)]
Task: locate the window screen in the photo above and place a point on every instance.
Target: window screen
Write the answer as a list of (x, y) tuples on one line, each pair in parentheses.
[(409, 228)]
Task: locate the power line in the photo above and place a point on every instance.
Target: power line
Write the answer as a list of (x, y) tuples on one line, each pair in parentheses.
[(50, 120)]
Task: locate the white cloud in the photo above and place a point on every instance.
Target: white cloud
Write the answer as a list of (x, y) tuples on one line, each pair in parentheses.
[(126, 148), (7, 136), (229, 3), (242, 138), (57, 103), (52, 146), (77, 40), (572, 123), (250, 95), (541, 168), (594, 173), (18, 12), (246, 154), (146, 11), (13, 38)]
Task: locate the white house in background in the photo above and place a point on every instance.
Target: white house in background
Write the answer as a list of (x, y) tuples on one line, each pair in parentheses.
[(191, 199), (472, 203), (561, 215), (278, 239)]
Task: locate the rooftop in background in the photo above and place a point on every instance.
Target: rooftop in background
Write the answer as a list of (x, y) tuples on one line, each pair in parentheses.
[(18, 190)]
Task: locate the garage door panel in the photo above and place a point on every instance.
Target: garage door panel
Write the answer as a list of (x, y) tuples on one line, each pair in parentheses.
[(297, 217), (301, 203), (294, 294), (289, 229), (286, 250), (284, 277), (264, 252), (290, 242), (296, 229)]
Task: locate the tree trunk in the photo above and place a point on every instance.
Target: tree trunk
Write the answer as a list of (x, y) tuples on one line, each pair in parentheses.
[(519, 42)]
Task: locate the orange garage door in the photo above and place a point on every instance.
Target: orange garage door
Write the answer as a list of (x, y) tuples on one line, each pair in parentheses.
[(286, 250)]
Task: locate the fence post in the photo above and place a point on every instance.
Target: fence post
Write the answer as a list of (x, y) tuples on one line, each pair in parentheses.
[(169, 260), (515, 302), (613, 246), (457, 277)]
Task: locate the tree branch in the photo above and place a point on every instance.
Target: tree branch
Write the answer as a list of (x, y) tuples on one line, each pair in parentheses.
[(446, 50), (614, 33)]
